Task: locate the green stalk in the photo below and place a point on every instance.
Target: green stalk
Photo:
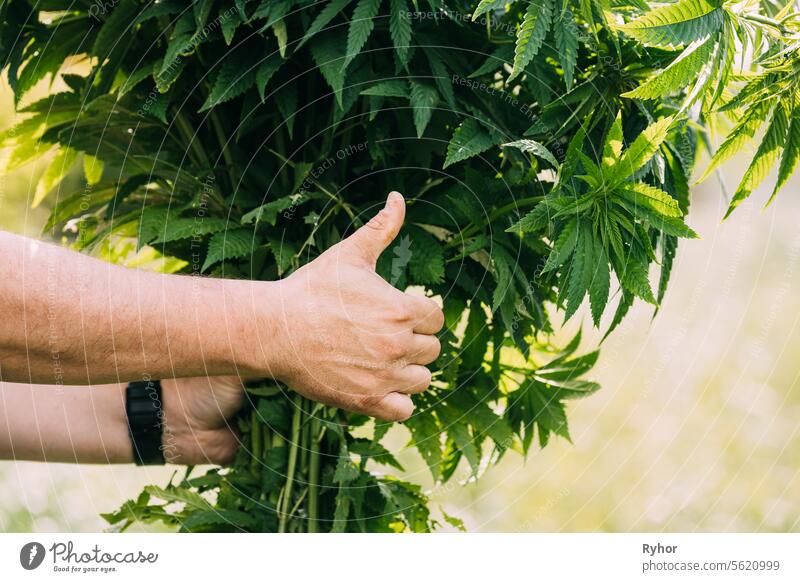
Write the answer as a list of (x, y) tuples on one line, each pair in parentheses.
[(295, 444), (191, 139), (494, 215), (313, 476), (771, 22), (226, 154), (255, 442)]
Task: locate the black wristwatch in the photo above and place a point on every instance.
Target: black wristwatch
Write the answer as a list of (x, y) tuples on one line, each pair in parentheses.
[(145, 413)]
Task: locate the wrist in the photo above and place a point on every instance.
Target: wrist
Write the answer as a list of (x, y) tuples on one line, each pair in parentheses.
[(256, 309), (176, 433)]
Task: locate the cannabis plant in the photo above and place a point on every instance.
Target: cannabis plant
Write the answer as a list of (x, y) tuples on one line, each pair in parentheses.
[(546, 149)]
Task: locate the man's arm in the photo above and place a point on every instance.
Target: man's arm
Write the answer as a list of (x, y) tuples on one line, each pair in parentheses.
[(87, 424), (334, 331), (66, 318)]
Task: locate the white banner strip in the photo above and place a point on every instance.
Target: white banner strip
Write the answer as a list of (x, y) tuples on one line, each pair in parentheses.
[(390, 558)]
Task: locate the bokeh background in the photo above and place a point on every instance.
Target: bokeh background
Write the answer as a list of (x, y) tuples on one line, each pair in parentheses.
[(697, 427)]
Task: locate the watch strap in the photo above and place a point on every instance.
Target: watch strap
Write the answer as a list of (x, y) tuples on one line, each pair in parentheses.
[(145, 415)]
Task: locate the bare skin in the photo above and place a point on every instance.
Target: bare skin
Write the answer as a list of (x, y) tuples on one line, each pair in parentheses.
[(334, 331), (87, 424)]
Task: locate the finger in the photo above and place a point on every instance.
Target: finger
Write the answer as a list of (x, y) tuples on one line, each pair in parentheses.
[(369, 241), (414, 379), (424, 349), (394, 407), (428, 316)]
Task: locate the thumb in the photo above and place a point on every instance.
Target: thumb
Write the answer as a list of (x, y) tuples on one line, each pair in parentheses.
[(371, 240)]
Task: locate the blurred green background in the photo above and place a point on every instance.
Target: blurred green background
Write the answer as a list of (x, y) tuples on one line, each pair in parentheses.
[(697, 427)]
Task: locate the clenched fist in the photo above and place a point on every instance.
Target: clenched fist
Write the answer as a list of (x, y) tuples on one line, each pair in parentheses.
[(347, 338)]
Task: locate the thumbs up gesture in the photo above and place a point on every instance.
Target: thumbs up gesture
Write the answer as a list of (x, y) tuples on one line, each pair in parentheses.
[(347, 338)]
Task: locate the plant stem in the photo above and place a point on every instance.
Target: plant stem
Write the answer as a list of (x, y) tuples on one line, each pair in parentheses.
[(191, 138), (494, 215), (313, 476), (295, 444), (226, 154), (255, 442), (766, 21)]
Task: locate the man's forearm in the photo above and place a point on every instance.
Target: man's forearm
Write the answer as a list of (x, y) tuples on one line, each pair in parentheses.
[(88, 424), (85, 424), (66, 318)]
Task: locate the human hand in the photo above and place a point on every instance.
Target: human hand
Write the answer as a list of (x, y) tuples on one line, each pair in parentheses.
[(347, 338), (197, 419)]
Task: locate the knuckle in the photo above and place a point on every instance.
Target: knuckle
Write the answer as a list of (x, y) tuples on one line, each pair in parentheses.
[(438, 317), (367, 404), (394, 350), (426, 377), (436, 349), (404, 414), (401, 313), (378, 222)]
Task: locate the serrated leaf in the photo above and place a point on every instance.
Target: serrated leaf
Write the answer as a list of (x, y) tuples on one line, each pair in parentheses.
[(566, 33), (640, 151), (426, 262), (502, 55), (742, 133), (423, 98), (236, 75), (535, 220), (791, 153), (230, 244), (669, 246), (679, 74), (563, 246), (441, 77), (426, 434), (219, 516), (400, 30), (485, 6), (503, 268), (599, 287), (652, 197), (92, 169), (269, 212), (328, 52), (284, 252), (612, 148), (666, 224), (580, 273), (183, 228), (229, 22), (531, 34), (390, 88), (678, 24), (361, 25), (326, 15), (768, 152), (567, 170), (346, 470), (281, 35), (469, 139), (268, 67), (58, 167), (634, 277), (534, 147)]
